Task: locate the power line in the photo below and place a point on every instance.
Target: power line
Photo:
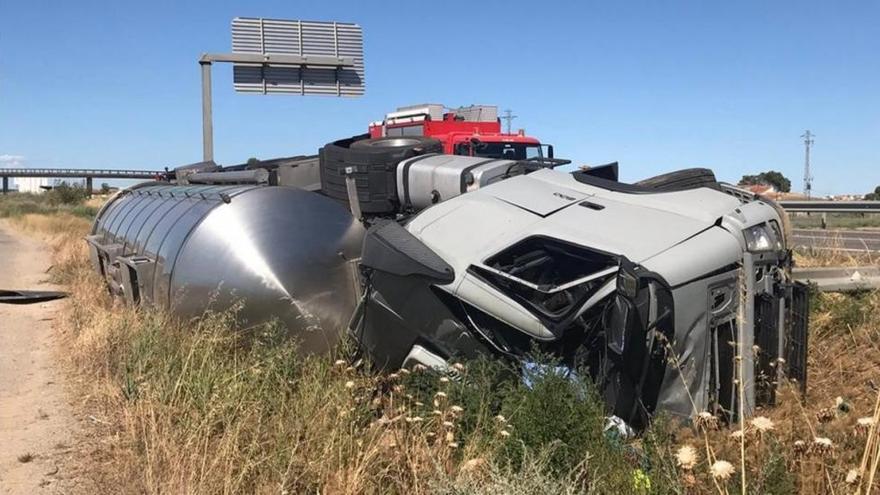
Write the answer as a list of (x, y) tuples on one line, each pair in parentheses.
[(508, 117), (808, 177)]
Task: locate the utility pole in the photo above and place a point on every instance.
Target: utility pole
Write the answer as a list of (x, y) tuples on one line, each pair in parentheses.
[(808, 178), (508, 117)]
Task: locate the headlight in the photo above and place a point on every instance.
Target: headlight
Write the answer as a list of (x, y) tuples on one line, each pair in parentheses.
[(760, 238)]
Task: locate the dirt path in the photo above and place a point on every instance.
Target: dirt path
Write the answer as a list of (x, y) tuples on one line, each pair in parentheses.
[(37, 428)]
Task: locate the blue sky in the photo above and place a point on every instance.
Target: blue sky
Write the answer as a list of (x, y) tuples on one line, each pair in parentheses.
[(654, 85)]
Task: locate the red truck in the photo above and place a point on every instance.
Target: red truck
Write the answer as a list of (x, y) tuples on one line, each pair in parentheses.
[(474, 131)]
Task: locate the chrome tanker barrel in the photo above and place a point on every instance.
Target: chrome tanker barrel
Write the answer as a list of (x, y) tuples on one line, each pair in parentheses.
[(284, 253)]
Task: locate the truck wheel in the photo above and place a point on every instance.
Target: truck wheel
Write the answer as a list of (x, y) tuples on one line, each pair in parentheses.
[(680, 180), (393, 142), (336, 150), (375, 164), (404, 146)]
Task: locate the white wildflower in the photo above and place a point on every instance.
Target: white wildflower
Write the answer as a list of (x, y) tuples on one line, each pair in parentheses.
[(866, 421), (762, 424), (822, 446), (826, 414), (722, 470), (852, 476), (687, 457), (706, 420)]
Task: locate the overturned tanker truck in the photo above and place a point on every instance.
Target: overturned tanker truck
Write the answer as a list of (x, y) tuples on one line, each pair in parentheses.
[(661, 290)]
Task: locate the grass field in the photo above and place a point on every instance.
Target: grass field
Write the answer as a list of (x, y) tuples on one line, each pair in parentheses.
[(203, 406), (836, 220)]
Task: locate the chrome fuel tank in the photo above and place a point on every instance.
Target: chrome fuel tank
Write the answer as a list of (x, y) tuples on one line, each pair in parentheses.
[(285, 253)]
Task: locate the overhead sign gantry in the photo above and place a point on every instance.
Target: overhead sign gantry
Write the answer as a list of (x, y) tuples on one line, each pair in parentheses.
[(277, 56)]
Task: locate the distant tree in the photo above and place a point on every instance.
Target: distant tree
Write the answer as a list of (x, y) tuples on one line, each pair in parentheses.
[(771, 178), (252, 162), (873, 196), (105, 188)]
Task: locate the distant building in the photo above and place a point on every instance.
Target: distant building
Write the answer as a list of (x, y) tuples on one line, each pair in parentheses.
[(33, 185), (847, 197), (762, 189), (39, 185)]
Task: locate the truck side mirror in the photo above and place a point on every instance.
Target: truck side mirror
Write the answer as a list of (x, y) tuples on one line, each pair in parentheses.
[(549, 151)]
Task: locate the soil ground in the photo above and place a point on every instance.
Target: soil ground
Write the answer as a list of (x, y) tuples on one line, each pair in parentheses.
[(39, 433)]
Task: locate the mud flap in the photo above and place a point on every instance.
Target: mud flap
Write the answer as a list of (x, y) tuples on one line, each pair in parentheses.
[(796, 338), (767, 342)]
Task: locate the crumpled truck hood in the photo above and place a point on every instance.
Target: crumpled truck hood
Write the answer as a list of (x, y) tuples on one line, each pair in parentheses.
[(472, 227)]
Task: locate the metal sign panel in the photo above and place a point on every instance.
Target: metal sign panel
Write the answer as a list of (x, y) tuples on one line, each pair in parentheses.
[(298, 38)]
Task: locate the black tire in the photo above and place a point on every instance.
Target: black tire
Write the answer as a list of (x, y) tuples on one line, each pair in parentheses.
[(375, 163), (337, 149), (417, 143), (680, 180)]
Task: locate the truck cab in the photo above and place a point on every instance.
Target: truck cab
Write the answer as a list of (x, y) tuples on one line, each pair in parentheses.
[(471, 131)]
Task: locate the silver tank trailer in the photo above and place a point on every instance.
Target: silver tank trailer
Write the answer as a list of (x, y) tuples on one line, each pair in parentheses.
[(285, 253)]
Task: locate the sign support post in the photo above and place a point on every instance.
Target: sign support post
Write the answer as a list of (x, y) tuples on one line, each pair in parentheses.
[(207, 116)]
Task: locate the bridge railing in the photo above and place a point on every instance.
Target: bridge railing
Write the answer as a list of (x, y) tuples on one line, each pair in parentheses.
[(74, 172)]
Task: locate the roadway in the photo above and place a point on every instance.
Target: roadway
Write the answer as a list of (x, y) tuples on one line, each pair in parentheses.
[(851, 241)]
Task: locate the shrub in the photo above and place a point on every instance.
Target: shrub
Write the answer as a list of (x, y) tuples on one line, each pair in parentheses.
[(67, 194)]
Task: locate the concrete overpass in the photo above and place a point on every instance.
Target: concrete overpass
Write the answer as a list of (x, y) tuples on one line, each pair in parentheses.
[(87, 174)]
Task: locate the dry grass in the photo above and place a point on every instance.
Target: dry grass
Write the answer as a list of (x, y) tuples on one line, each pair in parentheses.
[(833, 253), (197, 407), (835, 220), (844, 374), (807, 257)]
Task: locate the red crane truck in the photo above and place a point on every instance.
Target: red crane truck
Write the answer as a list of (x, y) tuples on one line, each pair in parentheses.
[(473, 130)]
